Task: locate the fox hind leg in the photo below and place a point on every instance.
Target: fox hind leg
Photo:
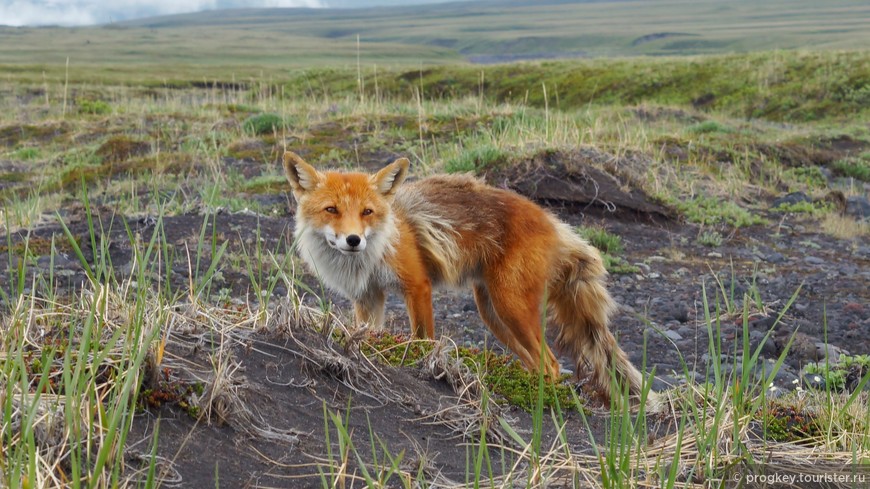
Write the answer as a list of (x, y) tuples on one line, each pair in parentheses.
[(493, 322), (520, 316)]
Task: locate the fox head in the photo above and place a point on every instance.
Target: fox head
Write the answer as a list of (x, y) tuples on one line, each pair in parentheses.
[(347, 209)]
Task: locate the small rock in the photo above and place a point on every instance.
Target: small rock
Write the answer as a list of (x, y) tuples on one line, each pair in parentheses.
[(854, 308), (680, 312), (830, 352), (812, 260), (858, 207), (763, 323), (768, 348), (673, 335), (790, 199), (803, 350), (775, 257)]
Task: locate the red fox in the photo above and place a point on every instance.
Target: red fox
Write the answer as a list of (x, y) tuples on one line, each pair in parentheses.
[(367, 234)]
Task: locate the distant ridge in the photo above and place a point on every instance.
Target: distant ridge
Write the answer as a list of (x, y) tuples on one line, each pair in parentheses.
[(485, 31)]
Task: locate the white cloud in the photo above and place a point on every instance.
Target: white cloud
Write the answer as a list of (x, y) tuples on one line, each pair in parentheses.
[(84, 12)]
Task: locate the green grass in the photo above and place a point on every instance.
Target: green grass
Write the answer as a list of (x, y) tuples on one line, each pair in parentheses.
[(208, 45), (856, 168), (610, 246), (709, 211), (476, 159), (158, 152)]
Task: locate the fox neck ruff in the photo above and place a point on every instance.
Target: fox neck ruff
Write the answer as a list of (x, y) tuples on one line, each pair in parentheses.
[(351, 275)]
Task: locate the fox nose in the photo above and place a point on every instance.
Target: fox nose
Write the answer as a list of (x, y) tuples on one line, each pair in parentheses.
[(353, 240)]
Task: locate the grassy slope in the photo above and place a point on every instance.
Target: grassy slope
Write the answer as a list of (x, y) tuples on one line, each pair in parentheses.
[(53, 138), (792, 86), (245, 42)]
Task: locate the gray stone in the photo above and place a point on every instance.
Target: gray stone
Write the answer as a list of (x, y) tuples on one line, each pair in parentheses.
[(858, 207), (789, 199), (673, 335), (775, 257)]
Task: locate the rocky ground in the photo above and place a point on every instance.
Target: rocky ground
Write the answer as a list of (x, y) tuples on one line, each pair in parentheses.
[(661, 321)]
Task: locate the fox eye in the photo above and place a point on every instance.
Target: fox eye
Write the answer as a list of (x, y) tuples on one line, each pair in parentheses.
[(331, 210), (367, 212)]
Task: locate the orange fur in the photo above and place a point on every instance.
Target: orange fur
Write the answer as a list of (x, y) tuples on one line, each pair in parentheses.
[(455, 231)]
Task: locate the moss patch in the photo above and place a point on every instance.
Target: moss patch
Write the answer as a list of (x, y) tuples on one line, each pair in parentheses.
[(502, 374), (122, 148), (788, 423), (16, 133), (251, 150)]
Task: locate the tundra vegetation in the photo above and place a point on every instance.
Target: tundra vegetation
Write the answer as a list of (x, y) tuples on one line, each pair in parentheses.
[(157, 328)]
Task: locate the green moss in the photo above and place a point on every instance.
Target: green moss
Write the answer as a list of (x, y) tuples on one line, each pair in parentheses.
[(502, 374), (260, 124), (710, 211), (787, 423), (121, 148), (15, 176), (266, 184), (16, 133), (708, 127), (35, 246), (95, 107), (812, 208), (242, 108), (250, 149), (810, 177)]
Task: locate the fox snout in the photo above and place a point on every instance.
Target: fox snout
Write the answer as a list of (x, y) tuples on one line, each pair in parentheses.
[(347, 244)]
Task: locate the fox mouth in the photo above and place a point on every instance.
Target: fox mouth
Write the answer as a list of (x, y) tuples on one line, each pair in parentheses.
[(344, 251)]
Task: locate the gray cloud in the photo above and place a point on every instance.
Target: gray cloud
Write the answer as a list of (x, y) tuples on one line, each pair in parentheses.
[(83, 12)]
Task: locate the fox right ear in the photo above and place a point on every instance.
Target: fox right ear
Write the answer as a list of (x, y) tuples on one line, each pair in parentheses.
[(302, 176), (387, 180)]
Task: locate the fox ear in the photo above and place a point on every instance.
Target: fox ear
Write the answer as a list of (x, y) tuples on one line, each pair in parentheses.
[(302, 176), (387, 180)]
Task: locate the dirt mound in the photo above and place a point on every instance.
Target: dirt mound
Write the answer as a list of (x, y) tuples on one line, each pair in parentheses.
[(585, 177), (292, 402)]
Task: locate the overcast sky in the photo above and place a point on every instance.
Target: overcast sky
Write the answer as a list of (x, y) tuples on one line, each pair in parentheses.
[(85, 12)]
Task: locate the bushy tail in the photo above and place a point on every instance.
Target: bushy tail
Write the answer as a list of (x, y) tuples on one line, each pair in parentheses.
[(581, 307)]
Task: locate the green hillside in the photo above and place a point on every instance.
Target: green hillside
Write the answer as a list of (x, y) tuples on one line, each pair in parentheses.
[(244, 43)]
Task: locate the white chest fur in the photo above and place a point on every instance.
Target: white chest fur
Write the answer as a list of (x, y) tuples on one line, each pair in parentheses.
[(351, 275)]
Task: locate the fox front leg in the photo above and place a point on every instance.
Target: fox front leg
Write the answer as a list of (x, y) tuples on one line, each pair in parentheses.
[(370, 309)]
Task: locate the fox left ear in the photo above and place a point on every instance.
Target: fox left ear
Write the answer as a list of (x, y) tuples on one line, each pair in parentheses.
[(387, 180), (302, 176)]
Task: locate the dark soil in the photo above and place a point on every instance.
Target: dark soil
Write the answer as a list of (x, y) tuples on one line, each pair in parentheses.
[(661, 307)]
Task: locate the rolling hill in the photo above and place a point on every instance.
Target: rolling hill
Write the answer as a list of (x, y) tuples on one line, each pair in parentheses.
[(246, 42)]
